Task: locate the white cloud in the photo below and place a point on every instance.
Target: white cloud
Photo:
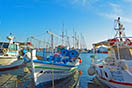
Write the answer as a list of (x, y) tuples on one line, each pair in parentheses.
[(116, 11), (83, 2), (74, 1), (127, 19), (116, 8), (111, 16), (128, 1), (114, 16), (114, 5)]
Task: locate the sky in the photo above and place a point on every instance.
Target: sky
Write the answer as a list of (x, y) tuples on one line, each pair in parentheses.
[(93, 18)]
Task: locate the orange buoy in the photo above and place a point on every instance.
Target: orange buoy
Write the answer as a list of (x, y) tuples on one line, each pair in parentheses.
[(29, 43), (80, 72), (80, 61), (112, 41), (130, 43), (72, 59), (127, 39), (59, 51)]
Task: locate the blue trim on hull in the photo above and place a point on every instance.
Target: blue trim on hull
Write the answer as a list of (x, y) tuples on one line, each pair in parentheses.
[(47, 62)]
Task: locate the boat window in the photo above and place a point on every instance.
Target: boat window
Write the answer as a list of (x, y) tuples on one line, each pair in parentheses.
[(124, 53), (12, 47), (4, 45)]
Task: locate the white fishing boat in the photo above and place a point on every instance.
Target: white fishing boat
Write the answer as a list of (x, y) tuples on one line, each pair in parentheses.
[(55, 67), (10, 57), (115, 70)]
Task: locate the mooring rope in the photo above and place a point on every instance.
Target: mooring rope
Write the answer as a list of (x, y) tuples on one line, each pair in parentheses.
[(6, 81)]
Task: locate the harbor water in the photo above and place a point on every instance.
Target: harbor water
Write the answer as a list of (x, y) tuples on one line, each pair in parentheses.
[(22, 78), (86, 81)]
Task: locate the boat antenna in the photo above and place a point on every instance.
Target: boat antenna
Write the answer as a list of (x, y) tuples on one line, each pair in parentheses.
[(119, 27), (10, 38)]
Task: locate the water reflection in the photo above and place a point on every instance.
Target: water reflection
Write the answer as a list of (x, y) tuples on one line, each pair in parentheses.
[(18, 78), (22, 78), (69, 82)]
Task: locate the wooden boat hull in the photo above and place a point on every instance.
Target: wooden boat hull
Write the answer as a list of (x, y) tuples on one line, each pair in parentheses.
[(115, 84), (45, 73), (114, 78), (7, 60), (9, 63)]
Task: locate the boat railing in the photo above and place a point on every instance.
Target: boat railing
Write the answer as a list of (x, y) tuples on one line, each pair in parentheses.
[(124, 37)]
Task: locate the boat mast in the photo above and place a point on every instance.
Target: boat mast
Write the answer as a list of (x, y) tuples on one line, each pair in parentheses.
[(67, 41), (75, 41), (120, 32), (119, 29), (63, 34), (78, 42), (52, 41), (73, 37)]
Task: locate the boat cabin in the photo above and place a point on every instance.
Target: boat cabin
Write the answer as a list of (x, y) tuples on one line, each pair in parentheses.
[(123, 53), (7, 48)]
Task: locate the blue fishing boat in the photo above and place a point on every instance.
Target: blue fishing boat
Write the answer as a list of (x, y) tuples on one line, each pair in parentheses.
[(55, 67)]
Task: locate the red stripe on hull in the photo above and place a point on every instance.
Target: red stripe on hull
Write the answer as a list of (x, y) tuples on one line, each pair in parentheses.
[(122, 83), (11, 68)]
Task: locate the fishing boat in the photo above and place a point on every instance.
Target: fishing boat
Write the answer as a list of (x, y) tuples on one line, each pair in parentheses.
[(116, 69), (10, 57), (55, 67)]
